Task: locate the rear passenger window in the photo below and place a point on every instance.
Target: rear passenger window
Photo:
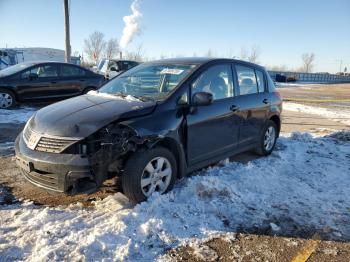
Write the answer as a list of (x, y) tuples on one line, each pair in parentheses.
[(246, 80), (260, 79), (68, 71)]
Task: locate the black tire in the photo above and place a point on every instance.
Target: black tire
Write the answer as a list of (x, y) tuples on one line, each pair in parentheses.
[(88, 89), (134, 170), (262, 149), (5, 102)]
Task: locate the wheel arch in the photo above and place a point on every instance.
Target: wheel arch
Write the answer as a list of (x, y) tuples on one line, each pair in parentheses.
[(277, 120), (9, 89), (174, 147)]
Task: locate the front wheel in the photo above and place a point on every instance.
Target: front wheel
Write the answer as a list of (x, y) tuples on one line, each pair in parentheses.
[(267, 140), (149, 171)]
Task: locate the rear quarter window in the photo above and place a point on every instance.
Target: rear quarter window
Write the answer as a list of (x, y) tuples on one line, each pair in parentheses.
[(270, 84)]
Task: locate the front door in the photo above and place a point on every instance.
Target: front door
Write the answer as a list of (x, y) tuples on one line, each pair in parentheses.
[(38, 82), (213, 129)]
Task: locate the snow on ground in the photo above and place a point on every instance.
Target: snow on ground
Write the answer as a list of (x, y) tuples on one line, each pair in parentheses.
[(339, 115), (296, 84), (304, 184), (19, 115)]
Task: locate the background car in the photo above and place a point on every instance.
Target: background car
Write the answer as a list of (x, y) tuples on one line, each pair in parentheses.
[(112, 67), (42, 81)]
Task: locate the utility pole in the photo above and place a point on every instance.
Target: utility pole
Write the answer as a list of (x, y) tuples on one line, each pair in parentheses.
[(66, 31)]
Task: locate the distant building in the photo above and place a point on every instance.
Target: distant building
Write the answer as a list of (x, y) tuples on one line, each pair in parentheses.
[(12, 56)]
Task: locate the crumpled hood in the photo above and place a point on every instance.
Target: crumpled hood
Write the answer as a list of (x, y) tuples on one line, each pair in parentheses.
[(83, 115)]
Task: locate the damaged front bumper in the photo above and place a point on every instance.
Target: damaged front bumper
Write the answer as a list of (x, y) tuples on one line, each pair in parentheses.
[(57, 172)]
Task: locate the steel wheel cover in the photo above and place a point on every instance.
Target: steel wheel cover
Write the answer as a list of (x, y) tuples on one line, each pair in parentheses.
[(156, 176), (6, 100), (269, 138)]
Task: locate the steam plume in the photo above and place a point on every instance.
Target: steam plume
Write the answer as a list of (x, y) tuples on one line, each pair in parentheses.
[(132, 25)]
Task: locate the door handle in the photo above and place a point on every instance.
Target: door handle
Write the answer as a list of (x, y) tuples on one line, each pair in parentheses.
[(82, 80), (234, 108), (265, 101), (53, 82)]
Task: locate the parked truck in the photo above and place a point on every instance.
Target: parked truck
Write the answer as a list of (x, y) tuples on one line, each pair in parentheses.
[(13, 56)]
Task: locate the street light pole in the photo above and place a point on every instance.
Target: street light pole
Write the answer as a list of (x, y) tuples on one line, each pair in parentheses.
[(66, 31)]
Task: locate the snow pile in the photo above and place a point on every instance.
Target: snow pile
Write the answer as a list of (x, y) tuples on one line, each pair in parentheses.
[(303, 185), (20, 115), (341, 115), (304, 85), (128, 98)]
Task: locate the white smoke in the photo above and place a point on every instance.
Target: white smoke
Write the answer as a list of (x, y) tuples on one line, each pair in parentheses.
[(132, 25)]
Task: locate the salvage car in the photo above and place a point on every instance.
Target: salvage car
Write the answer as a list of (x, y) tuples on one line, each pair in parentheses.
[(110, 68), (43, 81), (151, 125)]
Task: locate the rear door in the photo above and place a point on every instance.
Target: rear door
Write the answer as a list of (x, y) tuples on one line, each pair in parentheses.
[(40, 86), (252, 102), (213, 130), (72, 80)]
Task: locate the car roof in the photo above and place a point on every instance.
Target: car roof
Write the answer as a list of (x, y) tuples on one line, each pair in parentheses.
[(199, 61), (46, 62), (121, 60)]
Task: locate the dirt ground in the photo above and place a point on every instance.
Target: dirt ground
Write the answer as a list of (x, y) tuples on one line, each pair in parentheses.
[(248, 247), (260, 246), (329, 96)]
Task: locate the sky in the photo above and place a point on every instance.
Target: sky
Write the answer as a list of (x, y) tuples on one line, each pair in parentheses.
[(282, 30)]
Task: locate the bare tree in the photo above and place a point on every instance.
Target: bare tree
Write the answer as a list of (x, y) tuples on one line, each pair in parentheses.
[(308, 62), (76, 53), (254, 54), (209, 53), (95, 45), (230, 54), (244, 54), (281, 68), (137, 55), (112, 48)]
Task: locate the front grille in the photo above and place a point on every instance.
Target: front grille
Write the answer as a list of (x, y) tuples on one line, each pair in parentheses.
[(46, 143), (53, 145)]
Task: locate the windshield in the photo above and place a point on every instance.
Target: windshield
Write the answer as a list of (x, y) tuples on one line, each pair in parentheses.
[(151, 81), (14, 69), (101, 63)]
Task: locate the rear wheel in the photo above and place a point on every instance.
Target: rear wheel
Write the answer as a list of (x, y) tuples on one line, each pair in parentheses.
[(149, 171), (7, 99), (267, 140)]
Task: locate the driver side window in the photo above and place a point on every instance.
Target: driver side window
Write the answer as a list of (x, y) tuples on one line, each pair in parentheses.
[(216, 80)]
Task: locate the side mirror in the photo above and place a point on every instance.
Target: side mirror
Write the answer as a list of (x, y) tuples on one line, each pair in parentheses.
[(202, 99), (114, 69), (33, 76)]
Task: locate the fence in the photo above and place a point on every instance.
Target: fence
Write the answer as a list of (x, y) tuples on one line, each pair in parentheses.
[(308, 77)]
